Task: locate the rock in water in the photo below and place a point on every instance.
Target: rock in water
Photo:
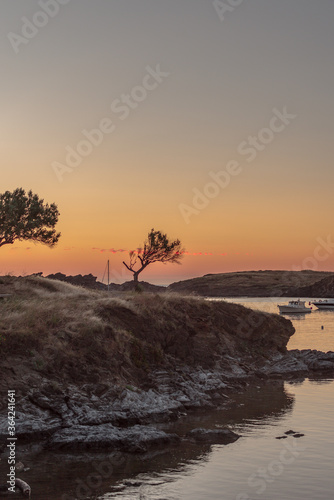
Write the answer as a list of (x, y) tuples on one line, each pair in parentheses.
[(216, 436), (24, 487)]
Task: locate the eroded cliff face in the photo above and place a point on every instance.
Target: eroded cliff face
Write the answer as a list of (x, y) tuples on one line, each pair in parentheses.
[(201, 333)]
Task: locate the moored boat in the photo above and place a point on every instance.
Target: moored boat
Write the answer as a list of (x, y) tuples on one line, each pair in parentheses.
[(294, 306), (324, 304)]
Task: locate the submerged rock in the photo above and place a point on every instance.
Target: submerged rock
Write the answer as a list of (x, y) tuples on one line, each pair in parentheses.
[(216, 436)]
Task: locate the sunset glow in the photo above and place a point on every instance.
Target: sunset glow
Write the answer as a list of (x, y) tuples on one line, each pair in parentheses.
[(141, 115)]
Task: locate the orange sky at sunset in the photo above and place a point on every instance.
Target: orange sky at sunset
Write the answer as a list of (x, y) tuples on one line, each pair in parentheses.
[(254, 89)]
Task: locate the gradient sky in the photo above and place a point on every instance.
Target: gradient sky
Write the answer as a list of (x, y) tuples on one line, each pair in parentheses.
[(226, 76)]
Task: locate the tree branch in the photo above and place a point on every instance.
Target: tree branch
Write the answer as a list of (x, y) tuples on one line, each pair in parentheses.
[(129, 268)]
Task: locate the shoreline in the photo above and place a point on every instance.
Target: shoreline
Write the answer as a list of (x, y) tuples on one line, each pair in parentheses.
[(81, 430), (238, 284), (124, 419)]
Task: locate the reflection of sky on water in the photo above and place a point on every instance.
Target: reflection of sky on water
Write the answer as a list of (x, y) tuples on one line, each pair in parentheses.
[(309, 333), (236, 472), (248, 411)]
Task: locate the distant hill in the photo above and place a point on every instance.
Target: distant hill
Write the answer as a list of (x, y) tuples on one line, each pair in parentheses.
[(251, 283), (87, 280), (129, 286), (238, 284), (90, 281), (321, 289)]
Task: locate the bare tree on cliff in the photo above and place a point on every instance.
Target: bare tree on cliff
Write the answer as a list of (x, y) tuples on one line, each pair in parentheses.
[(157, 248), (26, 217)]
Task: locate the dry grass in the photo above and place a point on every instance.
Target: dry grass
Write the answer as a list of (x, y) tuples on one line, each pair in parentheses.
[(70, 333), (77, 333)]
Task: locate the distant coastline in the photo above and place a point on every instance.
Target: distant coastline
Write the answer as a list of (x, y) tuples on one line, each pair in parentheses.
[(312, 284)]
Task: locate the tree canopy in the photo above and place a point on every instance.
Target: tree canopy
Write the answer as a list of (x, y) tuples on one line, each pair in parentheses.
[(26, 217), (157, 248)]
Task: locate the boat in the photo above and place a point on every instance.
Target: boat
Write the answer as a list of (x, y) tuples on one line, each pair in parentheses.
[(324, 304), (294, 306)]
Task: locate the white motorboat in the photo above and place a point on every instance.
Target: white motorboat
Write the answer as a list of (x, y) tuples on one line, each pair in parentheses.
[(324, 304), (294, 306)]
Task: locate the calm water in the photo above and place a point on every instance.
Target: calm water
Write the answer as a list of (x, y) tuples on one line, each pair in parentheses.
[(257, 466), (309, 334)]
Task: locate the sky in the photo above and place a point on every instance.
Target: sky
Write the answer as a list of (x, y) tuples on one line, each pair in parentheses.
[(210, 121)]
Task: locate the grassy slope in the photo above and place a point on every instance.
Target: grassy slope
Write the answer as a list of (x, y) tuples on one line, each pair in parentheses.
[(70, 334), (249, 283)]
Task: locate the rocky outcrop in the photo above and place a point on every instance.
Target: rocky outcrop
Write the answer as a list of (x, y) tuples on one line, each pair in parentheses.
[(142, 286), (128, 338), (321, 289), (86, 281), (215, 436), (106, 437), (95, 418), (89, 281), (304, 361)]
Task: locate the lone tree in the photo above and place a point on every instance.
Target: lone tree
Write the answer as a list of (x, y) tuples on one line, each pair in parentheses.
[(26, 217), (157, 248)]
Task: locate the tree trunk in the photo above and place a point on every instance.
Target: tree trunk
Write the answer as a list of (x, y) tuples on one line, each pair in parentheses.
[(135, 278)]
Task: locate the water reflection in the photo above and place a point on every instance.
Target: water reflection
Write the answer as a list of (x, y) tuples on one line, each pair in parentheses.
[(313, 331), (294, 317), (77, 475)]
